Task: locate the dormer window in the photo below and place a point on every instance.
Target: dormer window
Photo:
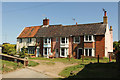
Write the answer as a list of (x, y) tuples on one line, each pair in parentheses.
[(88, 38), (76, 39)]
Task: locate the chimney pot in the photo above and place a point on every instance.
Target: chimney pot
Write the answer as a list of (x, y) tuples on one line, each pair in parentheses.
[(45, 21), (110, 28)]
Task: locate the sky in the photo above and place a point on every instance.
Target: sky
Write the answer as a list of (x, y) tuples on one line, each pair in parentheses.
[(18, 15)]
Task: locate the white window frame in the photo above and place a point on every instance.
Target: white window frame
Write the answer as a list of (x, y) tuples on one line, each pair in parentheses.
[(48, 50), (66, 40), (77, 42), (65, 52), (47, 40), (93, 51), (92, 38)]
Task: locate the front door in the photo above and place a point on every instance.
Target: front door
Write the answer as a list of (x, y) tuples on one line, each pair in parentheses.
[(79, 53)]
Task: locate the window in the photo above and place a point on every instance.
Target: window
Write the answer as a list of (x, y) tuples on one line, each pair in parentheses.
[(47, 40), (64, 40), (88, 52), (64, 52), (20, 40), (76, 39), (88, 38), (56, 39), (29, 40), (45, 51)]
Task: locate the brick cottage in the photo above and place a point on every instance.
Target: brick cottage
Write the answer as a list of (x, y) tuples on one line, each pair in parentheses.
[(62, 40)]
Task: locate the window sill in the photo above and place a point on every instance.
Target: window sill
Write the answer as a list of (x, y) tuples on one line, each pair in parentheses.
[(89, 41)]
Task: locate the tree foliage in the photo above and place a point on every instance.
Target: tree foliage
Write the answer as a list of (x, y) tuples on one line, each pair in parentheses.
[(116, 45), (9, 49)]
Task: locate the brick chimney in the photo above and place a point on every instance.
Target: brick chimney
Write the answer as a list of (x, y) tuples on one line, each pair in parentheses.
[(105, 18), (45, 21)]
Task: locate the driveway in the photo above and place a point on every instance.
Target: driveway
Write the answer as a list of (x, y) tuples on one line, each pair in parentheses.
[(25, 73)]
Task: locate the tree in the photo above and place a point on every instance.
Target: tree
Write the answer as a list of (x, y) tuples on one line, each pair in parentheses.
[(23, 53), (9, 49)]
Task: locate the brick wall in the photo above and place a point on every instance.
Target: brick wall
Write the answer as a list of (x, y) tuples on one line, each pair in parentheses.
[(70, 46), (55, 45), (41, 46), (100, 46), (76, 46), (89, 44)]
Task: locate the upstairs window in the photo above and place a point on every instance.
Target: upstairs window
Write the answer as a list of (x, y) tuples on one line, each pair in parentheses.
[(47, 40), (88, 38), (20, 40), (76, 39), (29, 40), (64, 40)]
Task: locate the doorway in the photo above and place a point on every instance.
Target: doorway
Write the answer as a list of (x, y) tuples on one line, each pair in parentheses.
[(79, 53)]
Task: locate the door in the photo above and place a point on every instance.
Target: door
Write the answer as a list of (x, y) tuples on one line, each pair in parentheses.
[(37, 52), (79, 53)]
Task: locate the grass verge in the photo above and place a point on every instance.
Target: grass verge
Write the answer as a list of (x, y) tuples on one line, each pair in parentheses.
[(8, 66), (32, 64)]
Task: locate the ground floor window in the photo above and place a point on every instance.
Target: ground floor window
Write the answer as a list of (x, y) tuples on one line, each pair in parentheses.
[(46, 51), (89, 52), (31, 50), (63, 52)]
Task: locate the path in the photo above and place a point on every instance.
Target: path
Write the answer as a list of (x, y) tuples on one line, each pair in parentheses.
[(25, 73), (52, 70)]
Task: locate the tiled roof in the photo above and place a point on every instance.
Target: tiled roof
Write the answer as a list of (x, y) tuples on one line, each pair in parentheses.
[(29, 32), (71, 30), (64, 30)]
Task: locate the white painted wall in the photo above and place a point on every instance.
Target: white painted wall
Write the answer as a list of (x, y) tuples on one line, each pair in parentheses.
[(108, 41), (24, 43)]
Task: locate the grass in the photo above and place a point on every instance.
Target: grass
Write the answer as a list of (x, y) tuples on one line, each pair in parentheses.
[(98, 70), (32, 64), (73, 70), (9, 66)]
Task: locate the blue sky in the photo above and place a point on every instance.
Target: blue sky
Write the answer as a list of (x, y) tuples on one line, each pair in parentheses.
[(17, 15)]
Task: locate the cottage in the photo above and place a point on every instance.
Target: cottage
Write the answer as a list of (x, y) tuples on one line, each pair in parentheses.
[(62, 40)]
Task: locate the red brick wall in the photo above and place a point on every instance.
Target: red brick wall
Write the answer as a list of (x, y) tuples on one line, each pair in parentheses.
[(100, 46), (55, 45), (76, 46), (89, 44), (70, 46), (41, 46)]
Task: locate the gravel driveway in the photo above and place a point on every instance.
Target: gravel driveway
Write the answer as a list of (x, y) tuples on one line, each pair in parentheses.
[(25, 73)]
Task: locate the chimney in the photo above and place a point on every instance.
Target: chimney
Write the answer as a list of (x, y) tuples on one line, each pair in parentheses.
[(45, 21), (105, 18), (111, 28), (76, 23)]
